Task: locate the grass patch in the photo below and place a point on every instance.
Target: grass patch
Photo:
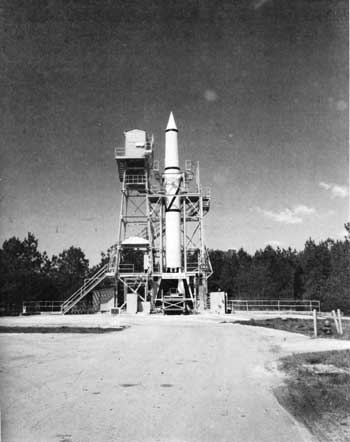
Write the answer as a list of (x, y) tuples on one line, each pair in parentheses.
[(318, 398), (299, 325)]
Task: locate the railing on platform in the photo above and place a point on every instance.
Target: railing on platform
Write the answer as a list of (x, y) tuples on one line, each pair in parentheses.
[(273, 305), (135, 179), (192, 266), (31, 307), (119, 151), (206, 192), (7, 309), (126, 268)]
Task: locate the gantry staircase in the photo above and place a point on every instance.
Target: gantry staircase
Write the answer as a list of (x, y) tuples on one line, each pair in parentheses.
[(89, 284)]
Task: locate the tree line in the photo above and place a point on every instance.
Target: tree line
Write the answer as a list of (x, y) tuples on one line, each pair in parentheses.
[(319, 272), (26, 274)]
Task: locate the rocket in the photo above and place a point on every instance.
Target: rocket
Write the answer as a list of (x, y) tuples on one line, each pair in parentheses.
[(172, 179)]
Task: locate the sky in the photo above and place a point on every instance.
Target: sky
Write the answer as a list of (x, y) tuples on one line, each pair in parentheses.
[(258, 88)]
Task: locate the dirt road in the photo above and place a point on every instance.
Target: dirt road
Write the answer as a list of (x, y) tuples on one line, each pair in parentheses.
[(174, 379)]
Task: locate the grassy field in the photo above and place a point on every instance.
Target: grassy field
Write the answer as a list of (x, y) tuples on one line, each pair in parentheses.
[(300, 325), (317, 392)]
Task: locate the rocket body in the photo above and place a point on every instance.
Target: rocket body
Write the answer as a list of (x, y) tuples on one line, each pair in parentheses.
[(172, 184)]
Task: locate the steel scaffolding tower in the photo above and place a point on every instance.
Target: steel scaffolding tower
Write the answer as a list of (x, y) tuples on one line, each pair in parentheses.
[(139, 258)]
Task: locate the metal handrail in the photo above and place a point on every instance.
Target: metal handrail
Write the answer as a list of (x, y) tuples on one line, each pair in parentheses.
[(296, 301), (41, 306), (191, 267), (42, 302), (126, 268), (119, 151), (274, 304), (84, 289), (135, 179), (206, 192)]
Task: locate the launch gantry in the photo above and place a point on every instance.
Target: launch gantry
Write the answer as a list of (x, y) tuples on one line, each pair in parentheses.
[(160, 256)]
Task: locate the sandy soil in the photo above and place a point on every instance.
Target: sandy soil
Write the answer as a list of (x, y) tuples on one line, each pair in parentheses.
[(166, 379)]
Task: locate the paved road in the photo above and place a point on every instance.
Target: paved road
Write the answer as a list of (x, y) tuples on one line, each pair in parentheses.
[(168, 380)]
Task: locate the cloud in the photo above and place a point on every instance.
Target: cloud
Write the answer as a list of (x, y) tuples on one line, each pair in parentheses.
[(288, 216), (210, 95), (340, 191), (325, 185), (303, 210), (335, 189), (273, 243)]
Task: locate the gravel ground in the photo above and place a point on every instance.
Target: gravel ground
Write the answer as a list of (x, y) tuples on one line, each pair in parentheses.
[(166, 379)]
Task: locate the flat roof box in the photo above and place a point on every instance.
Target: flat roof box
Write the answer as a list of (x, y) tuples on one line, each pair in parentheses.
[(135, 143)]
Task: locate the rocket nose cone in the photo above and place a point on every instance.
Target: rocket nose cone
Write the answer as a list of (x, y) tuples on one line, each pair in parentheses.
[(171, 123)]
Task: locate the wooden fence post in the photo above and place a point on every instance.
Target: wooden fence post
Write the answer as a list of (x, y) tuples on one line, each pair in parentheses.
[(335, 321), (339, 322), (315, 322)]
